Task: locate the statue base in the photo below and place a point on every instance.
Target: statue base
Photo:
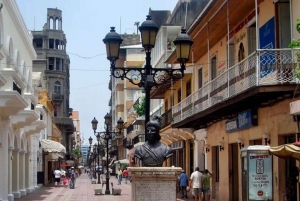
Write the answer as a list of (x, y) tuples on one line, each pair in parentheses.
[(154, 183)]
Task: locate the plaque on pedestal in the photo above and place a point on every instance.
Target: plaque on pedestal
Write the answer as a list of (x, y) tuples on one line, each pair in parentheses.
[(154, 183)]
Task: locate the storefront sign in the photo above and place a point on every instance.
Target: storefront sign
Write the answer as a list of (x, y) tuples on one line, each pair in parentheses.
[(244, 120), (177, 145), (260, 177)]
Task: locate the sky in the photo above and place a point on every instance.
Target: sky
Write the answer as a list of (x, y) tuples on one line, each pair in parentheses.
[(85, 23)]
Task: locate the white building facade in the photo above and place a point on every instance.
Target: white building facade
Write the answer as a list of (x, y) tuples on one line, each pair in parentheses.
[(20, 113)]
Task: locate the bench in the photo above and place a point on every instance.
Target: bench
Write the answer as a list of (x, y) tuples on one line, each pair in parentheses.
[(94, 181)]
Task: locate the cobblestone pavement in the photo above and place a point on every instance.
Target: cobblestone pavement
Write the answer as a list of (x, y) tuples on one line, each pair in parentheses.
[(84, 191)]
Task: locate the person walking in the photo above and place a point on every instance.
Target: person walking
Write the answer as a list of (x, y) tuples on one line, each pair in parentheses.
[(196, 182), (206, 184), (183, 182), (125, 173), (119, 175), (73, 178), (57, 175)]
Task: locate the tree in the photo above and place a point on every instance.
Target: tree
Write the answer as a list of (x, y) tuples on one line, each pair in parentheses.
[(140, 109), (295, 44), (75, 153)]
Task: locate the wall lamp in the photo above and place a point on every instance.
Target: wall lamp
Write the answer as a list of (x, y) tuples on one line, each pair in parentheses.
[(207, 148), (240, 142), (266, 137), (221, 146)]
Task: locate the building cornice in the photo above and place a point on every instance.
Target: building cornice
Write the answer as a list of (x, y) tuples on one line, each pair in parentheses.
[(16, 16)]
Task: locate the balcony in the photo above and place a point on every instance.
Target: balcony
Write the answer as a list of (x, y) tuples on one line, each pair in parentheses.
[(262, 79), (166, 119), (63, 121), (57, 97)]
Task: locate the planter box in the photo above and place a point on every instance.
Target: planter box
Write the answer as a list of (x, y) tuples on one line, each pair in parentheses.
[(295, 107), (98, 190)]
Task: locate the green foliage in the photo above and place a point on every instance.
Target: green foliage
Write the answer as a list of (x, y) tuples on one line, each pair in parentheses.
[(295, 44), (75, 153), (140, 109)]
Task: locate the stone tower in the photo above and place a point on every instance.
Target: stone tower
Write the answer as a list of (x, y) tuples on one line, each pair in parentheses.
[(53, 60)]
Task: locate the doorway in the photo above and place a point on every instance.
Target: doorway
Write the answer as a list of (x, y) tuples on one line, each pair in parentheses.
[(252, 38), (233, 172), (284, 23)]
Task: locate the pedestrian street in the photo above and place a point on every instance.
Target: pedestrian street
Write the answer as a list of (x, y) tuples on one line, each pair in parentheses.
[(84, 191)]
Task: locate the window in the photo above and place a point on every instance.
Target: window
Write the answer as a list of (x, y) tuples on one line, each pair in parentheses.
[(213, 67), (200, 78), (188, 88), (241, 55), (179, 95), (32, 106), (166, 105), (57, 87), (17, 88), (172, 100)]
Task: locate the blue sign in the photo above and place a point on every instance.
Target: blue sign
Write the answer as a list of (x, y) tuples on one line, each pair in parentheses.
[(267, 41), (244, 120)]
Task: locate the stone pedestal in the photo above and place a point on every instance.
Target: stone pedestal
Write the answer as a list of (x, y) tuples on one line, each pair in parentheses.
[(154, 183)]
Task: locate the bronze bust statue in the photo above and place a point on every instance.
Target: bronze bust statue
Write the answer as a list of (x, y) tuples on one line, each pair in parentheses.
[(153, 153)]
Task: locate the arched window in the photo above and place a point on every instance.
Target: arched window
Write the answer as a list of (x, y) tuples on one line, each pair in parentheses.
[(51, 26), (241, 52), (241, 57), (57, 86)]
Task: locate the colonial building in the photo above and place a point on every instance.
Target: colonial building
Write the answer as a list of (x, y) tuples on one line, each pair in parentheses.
[(241, 85), (20, 114), (53, 60)]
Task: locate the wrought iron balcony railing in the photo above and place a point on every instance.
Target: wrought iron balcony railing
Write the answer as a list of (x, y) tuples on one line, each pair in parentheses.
[(166, 118), (261, 68)]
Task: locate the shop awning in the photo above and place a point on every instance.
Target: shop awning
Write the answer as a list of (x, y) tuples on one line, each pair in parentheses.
[(54, 156), (287, 150), (52, 146), (125, 161)]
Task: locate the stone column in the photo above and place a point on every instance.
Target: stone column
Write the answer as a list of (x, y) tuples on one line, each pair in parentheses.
[(28, 172), (48, 22), (54, 65), (4, 160), (34, 148), (15, 173), (22, 178), (61, 64), (154, 183), (9, 175)]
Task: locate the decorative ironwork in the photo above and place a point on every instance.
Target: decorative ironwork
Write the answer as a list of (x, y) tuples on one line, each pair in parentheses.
[(261, 68), (157, 76)]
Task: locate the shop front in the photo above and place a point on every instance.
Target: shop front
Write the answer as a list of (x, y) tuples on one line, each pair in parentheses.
[(271, 126)]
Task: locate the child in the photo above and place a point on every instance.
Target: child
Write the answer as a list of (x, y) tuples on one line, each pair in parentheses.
[(64, 180)]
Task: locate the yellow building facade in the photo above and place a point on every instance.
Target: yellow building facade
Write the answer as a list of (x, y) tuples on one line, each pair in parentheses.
[(241, 65)]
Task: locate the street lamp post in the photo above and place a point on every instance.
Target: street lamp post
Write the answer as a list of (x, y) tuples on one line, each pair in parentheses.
[(147, 77), (107, 135)]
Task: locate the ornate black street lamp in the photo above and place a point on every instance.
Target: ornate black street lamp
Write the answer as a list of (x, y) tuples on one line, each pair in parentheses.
[(107, 135), (147, 77)]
